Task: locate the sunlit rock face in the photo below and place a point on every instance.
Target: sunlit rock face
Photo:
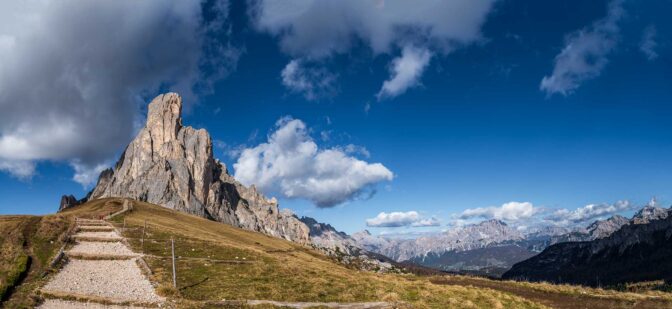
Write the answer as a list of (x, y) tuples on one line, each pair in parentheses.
[(172, 165)]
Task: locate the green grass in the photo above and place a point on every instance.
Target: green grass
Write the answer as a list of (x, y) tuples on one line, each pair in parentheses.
[(11, 277)]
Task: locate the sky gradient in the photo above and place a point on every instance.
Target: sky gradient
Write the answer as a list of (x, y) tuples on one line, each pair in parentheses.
[(465, 121)]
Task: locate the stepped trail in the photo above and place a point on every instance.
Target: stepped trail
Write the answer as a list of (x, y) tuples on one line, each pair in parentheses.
[(101, 272)]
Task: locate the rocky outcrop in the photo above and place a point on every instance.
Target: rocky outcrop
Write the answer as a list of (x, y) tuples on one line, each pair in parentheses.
[(650, 213), (636, 252), (67, 201), (327, 238), (596, 230), (172, 165)]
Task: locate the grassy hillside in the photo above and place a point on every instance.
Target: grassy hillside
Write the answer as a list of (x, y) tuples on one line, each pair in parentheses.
[(27, 246), (219, 262)]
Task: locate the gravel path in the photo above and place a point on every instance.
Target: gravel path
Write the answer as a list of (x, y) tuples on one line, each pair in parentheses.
[(104, 279), (113, 279), (66, 304), (101, 248)]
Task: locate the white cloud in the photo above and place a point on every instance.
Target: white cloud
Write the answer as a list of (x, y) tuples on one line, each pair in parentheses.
[(511, 211), (406, 71), (589, 212), (312, 82), (75, 73), (87, 175), (426, 222), (355, 149), (585, 54), (648, 44), (318, 30), (291, 163), (400, 219), (23, 170)]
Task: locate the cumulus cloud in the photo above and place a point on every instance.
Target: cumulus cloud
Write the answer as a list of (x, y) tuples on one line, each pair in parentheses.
[(312, 82), (589, 212), (648, 44), (406, 71), (321, 29), (291, 163), (400, 219), (23, 170), (75, 73), (511, 211), (585, 53)]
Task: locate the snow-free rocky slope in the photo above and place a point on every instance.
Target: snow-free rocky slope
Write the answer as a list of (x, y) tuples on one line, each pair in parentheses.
[(638, 251), (172, 165)]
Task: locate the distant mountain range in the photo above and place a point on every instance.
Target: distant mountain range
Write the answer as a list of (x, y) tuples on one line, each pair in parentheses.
[(492, 247), (639, 251)]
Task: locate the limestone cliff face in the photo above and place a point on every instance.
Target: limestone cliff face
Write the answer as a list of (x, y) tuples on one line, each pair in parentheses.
[(172, 165)]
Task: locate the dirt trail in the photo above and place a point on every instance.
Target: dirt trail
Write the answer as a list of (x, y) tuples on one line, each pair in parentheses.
[(101, 272)]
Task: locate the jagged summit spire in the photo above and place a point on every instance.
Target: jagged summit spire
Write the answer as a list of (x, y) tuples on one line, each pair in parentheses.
[(164, 118)]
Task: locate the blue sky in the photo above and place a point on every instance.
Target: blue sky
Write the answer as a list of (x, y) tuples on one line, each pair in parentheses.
[(473, 128)]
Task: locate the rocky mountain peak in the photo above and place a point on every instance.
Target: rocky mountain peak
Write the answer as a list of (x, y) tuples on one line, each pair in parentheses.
[(493, 222), (603, 228), (649, 213), (164, 119), (172, 165)]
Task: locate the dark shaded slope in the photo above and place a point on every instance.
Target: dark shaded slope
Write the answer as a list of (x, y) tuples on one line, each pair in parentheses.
[(636, 252), (490, 261)]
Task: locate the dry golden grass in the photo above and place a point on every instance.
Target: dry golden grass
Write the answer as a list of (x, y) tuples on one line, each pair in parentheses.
[(220, 262)]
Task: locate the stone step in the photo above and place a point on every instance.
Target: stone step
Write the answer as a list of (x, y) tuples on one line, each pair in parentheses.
[(103, 223), (96, 238), (99, 256), (87, 250), (95, 228)]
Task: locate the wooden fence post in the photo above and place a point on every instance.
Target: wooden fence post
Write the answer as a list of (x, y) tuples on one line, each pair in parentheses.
[(142, 241), (172, 249)]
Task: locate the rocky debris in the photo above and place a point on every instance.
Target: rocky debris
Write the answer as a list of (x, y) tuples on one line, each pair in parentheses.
[(172, 165), (626, 255), (326, 238)]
